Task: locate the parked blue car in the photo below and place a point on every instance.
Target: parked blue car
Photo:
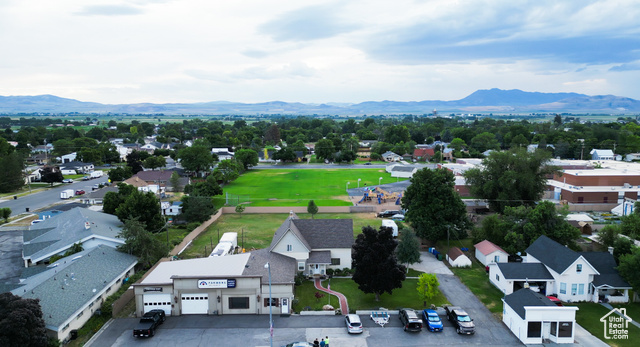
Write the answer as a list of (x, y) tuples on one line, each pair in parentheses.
[(434, 323)]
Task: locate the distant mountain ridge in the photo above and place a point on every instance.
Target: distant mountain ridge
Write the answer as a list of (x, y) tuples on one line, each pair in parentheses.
[(481, 101)]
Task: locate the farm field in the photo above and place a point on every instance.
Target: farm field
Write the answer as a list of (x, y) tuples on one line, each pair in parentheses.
[(259, 229), (295, 187)]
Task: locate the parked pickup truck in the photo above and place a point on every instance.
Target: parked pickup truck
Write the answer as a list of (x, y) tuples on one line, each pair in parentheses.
[(460, 319), (148, 323)]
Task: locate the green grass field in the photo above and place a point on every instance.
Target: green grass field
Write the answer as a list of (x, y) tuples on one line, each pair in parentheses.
[(295, 187), (588, 316), (259, 229), (477, 280), (407, 296)]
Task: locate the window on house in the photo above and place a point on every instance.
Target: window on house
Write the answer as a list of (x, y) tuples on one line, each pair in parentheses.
[(274, 302), (579, 268), (580, 288), (565, 329), (496, 259), (497, 277), (563, 288), (335, 261), (289, 248), (574, 289), (239, 303), (534, 329), (554, 328), (581, 199), (301, 266)]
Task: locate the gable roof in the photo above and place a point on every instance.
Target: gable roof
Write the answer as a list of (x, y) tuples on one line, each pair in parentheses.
[(67, 228), (526, 297), (606, 265), (552, 254), (317, 233), (525, 271), (283, 268), (421, 152), (66, 288), (487, 247), (454, 253)]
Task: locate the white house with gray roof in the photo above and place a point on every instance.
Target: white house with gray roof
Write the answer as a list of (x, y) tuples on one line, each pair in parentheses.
[(55, 236), (233, 284), (553, 269), (315, 244), (74, 287)]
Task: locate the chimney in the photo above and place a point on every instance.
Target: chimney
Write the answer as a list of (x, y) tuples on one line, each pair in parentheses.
[(610, 249), (291, 214)]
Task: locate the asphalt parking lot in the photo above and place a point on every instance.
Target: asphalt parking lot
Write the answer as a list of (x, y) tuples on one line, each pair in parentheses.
[(241, 330)]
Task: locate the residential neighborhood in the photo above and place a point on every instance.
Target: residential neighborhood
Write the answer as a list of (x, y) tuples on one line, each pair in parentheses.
[(140, 234)]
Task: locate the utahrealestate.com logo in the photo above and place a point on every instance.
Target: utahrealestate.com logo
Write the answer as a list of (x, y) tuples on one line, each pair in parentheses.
[(616, 324)]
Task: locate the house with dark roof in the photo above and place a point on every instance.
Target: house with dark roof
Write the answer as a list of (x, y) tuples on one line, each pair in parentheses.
[(54, 236), (74, 287), (457, 258), (231, 284), (488, 252), (315, 244), (535, 319), (390, 156), (569, 275), (76, 167), (404, 171)]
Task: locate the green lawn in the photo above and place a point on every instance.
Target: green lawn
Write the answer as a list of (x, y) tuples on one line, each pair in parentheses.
[(295, 187), (588, 316), (407, 296), (259, 229), (477, 280), (176, 235)]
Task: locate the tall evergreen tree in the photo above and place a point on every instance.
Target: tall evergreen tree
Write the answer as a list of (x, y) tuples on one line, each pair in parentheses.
[(374, 260), (408, 247), (312, 208)]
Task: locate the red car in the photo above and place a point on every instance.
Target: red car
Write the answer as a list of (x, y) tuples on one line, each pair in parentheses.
[(79, 192), (555, 300)]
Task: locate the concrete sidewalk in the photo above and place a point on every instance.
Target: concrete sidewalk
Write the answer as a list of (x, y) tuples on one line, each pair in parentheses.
[(430, 264)]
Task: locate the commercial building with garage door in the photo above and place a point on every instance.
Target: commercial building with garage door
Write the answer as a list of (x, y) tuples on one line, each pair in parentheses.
[(233, 284)]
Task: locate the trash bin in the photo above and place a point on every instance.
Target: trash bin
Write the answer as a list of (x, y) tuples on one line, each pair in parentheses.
[(440, 256), (15, 197), (74, 334), (27, 209)]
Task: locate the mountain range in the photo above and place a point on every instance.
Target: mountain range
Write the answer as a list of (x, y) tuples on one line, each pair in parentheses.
[(494, 100)]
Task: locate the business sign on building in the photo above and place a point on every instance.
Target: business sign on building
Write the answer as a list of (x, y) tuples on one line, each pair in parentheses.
[(226, 283)]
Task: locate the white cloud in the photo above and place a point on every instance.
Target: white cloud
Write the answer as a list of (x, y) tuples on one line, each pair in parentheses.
[(314, 51)]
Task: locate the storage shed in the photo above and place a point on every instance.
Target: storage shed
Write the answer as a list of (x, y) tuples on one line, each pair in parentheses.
[(456, 258), (488, 252)]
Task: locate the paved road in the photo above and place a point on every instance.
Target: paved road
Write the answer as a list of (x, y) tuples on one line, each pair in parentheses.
[(42, 199)]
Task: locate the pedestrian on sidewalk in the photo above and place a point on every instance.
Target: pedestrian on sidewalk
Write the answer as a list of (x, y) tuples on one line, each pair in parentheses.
[(326, 341), (322, 343), (316, 343)]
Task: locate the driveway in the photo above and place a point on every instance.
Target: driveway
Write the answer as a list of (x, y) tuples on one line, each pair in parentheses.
[(430, 264), (488, 326)]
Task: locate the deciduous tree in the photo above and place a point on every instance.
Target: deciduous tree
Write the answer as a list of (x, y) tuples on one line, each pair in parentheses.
[(511, 178), (21, 322), (408, 247), (145, 207), (197, 208), (628, 268), (433, 207), (247, 157), (374, 260), (196, 158), (141, 243), (51, 174), (427, 287), (324, 149)]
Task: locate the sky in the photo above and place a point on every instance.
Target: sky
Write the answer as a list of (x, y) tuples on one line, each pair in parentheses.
[(166, 51)]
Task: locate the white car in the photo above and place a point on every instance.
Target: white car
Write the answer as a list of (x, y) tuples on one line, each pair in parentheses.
[(398, 217), (67, 180), (354, 325)]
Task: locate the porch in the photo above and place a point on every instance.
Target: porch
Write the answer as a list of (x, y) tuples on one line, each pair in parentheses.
[(318, 263)]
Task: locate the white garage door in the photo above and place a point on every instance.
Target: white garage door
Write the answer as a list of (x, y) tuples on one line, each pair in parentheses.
[(195, 303), (157, 302)]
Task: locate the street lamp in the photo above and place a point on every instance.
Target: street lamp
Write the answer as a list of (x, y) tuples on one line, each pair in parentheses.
[(359, 182), (347, 185), (379, 179), (268, 266)]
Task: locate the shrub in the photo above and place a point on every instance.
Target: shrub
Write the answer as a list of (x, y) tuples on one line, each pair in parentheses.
[(299, 279), (192, 226)]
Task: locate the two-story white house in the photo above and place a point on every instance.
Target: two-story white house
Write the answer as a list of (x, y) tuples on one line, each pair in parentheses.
[(553, 269), (315, 244)]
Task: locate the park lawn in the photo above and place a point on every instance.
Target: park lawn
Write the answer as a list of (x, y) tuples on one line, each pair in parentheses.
[(477, 280), (259, 229), (588, 316), (295, 187)]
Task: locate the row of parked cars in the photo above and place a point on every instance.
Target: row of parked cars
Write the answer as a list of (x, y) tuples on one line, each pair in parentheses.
[(456, 315)]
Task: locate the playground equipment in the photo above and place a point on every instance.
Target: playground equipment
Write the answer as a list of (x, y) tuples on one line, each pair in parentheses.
[(379, 195)]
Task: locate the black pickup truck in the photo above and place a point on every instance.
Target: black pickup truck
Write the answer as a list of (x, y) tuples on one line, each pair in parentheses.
[(148, 323), (460, 319)]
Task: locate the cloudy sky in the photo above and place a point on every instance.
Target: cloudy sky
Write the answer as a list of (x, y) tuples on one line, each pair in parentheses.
[(128, 51)]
